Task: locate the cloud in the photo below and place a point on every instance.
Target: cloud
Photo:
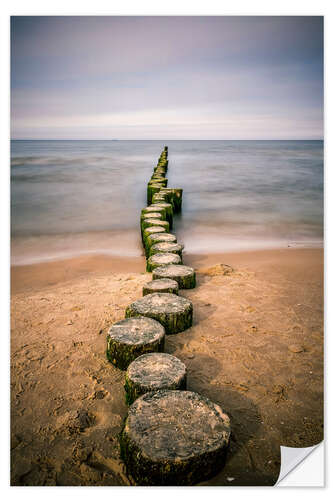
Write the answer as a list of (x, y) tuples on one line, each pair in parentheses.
[(145, 76)]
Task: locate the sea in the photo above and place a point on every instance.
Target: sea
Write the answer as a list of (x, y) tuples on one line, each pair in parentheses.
[(71, 198)]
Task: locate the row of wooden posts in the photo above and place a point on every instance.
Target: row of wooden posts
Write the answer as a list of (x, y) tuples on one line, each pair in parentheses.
[(171, 436)]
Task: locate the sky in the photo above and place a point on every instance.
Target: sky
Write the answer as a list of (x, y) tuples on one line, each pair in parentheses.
[(166, 77)]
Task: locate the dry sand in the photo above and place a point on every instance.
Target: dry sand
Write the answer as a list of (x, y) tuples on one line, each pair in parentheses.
[(256, 348)]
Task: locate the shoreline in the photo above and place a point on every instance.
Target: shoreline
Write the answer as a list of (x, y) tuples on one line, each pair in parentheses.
[(201, 240), (33, 276)]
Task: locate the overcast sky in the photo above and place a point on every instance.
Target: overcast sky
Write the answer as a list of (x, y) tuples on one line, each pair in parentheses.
[(167, 77)]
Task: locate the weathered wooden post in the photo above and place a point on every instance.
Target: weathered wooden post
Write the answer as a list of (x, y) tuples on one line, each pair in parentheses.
[(173, 312), (130, 338), (174, 437), (152, 372), (164, 285), (184, 275), (162, 259)]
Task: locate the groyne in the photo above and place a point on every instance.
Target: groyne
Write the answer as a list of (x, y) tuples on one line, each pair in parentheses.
[(171, 436)]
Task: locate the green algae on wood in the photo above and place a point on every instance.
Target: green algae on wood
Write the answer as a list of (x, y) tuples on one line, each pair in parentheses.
[(160, 170), (177, 199), (168, 210), (152, 189), (151, 215), (162, 164), (154, 209), (147, 218), (162, 259), (156, 238), (174, 438), (184, 275), (151, 230), (152, 372), (174, 196), (173, 312), (165, 246), (163, 285), (157, 197), (150, 222), (132, 337), (158, 179)]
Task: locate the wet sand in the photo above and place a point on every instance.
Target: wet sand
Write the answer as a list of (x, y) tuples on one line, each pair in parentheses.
[(256, 348)]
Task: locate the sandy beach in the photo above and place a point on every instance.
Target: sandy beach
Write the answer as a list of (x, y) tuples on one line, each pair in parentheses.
[(255, 348)]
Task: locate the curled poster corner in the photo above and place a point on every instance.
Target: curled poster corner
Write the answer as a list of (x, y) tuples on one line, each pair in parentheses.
[(292, 457)]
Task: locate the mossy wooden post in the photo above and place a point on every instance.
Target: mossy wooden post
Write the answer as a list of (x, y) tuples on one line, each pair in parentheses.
[(162, 181), (151, 230), (130, 338), (157, 198), (166, 247), (154, 209), (160, 170), (149, 216), (152, 372), (167, 192), (173, 312), (174, 438), (177, 198), (151, 190), (174, 196), (156, 238), (184, 275), (162, 259), (160, 286), (159, 179), (168, 210), (162, 164), (149, 222)]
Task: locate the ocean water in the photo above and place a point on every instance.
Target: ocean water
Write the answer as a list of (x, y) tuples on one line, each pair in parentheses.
[(84, 197)]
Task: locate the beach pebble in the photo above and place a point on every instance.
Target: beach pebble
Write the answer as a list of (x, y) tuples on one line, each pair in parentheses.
[(295, 348), (162, 286), (132, 337), (184, 275), (162, 259), (154, 371), (173, 312), (174, 438)]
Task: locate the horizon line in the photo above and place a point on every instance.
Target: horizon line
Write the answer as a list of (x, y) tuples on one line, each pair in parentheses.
[(115, 140)]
